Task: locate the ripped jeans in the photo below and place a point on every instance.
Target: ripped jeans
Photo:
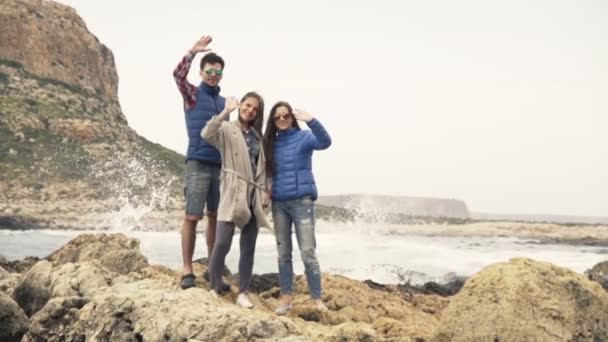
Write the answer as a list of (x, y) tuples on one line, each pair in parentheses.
[(300, 214)]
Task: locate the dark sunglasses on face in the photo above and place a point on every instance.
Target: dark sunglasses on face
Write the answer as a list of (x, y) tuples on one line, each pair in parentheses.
[(218, 72), (284, 116)]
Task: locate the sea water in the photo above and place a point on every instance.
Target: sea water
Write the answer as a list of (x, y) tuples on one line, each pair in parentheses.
[(356, 251)]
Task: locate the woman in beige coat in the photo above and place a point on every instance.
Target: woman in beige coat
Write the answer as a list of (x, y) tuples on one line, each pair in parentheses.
[(243, 190)]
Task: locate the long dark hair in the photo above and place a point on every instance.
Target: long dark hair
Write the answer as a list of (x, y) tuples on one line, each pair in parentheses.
[(259, 117), (271, 134)]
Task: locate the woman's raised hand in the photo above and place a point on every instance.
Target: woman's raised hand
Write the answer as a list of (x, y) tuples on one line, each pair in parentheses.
[(302, 115), (231, 104)]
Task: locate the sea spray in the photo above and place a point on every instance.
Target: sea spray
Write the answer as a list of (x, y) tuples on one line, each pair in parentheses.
[(138, 186)]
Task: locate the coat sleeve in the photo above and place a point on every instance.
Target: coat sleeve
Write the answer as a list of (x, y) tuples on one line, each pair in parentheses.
[(212, 132), (319, 139)]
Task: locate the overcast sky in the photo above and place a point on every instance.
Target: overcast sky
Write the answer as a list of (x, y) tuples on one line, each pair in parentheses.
[(502, 104)]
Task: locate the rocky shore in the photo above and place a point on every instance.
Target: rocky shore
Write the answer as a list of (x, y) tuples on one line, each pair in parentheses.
[(101, 288)]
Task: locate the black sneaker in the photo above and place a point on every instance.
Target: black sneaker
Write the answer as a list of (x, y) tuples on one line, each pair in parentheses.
[(225, 287), (187, 281)]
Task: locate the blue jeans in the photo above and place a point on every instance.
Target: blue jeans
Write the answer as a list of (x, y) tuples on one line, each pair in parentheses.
[(300, 213)]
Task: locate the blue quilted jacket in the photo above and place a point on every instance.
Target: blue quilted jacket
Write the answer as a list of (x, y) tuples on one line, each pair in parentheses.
[(208, 103), (292, 177)]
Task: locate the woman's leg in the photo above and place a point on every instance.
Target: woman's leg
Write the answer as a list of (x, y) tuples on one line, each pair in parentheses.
[(304, 220), (249, 235), (223, 241), (282, 230)]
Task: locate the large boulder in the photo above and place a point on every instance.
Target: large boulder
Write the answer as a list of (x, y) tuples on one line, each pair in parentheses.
[(526, 300), (53, 321), (599, 273), (13, 321), (116, 252), (45, 281), (32, 292), (150, 311)]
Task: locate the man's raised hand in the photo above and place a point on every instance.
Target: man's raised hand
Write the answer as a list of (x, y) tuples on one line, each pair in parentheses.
[(201, 45)]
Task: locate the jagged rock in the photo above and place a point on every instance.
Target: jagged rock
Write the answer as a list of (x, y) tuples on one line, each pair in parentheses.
[(53, 321), (599, 273), (32, 292), (8, 281), (432, 287), (353, 301), (204, 262), (264, 282), (45, 281), (13, 321), (526, 300), (18, 266), (148, 310), (117, 252)]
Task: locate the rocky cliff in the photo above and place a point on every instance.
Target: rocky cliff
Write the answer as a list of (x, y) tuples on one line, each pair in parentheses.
[(51, 41), (63, 136)]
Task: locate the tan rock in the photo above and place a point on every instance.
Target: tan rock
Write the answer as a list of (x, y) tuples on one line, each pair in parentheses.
[(599, 274), (8, 282), (77, 129), (3, 272), (56, 315), (526, 300), (116, 252), (14, 321), (32, 292), (353, 301)]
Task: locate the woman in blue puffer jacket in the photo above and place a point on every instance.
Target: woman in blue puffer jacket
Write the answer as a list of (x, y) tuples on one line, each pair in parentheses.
[(289, 163)]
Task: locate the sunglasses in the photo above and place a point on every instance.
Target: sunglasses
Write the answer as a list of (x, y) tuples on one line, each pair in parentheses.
[(218, 72), (284, 116)]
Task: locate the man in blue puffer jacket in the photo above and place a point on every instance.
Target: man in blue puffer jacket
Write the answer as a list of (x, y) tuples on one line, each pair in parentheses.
[(289, 157), (203, 161)]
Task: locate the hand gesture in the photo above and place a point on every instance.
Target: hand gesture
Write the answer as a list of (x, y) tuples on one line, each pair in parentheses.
[(201, 44), (231, 104), (302, 115)]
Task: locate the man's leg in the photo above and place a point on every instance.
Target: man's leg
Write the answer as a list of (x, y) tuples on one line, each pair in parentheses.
[(188, 243), (197, 186)]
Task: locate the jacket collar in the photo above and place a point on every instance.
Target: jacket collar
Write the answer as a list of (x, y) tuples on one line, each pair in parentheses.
[(213, 91), (287, 133)]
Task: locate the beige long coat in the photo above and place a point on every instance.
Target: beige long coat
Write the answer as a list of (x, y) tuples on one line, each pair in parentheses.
[(237, 179)]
